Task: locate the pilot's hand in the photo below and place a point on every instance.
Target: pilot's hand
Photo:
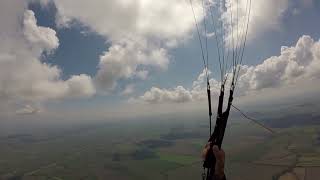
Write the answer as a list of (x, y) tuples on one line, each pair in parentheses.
[(220, 160)]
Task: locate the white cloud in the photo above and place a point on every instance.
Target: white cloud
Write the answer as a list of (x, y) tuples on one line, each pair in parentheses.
[(24, 79), (141, 33), (80, 86), (116, 19), (176, 95), (180, 94), (295, 65), (122, 62), (265, 16), (41, 38)]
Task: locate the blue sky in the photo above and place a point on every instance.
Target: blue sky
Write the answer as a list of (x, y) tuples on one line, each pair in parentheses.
[(103, 48)]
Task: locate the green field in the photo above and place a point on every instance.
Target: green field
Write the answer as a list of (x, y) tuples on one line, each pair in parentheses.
[(157, 150)]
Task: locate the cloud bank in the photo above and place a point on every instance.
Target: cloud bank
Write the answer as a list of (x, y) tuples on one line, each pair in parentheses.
[(295, 65), (141, 34)]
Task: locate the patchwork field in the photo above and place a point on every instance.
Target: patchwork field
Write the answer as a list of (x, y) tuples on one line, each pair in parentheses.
[(159, 151)]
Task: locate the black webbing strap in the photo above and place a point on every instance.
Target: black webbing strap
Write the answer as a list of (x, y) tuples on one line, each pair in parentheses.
[(217, 136)]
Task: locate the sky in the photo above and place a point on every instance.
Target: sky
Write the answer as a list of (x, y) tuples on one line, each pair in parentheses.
[(128, 58)]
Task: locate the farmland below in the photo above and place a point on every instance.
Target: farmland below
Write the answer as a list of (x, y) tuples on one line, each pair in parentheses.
[(160, 150)]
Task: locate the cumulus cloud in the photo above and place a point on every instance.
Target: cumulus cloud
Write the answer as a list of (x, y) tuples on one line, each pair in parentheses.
[(265, 16), (180, 94), (24, 78), (41, 38), (293, 66), (122, 61), (176, 95), (116, 19), (141, 32), (80, 86)]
